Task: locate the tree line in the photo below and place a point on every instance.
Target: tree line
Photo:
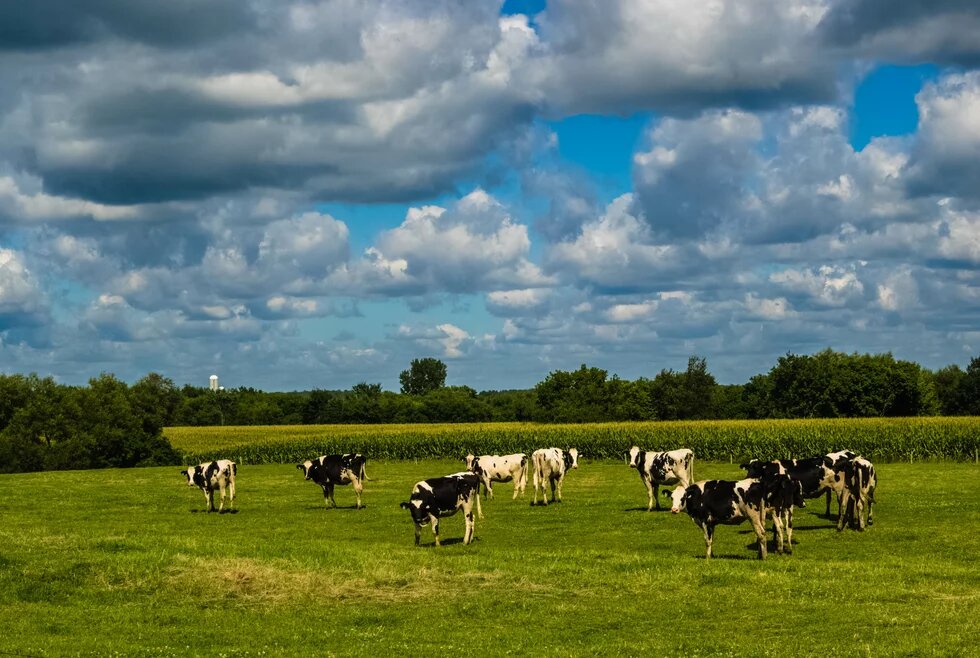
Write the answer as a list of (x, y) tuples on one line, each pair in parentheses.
[(46, 425)]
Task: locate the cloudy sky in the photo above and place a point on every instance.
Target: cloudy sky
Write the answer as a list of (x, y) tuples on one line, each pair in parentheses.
[(310, 194)]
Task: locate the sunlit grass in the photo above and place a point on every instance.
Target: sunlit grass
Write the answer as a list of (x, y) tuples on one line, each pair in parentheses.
[(99, 562)]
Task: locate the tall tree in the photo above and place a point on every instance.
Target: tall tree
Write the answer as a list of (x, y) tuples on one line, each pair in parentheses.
[(423, 376)]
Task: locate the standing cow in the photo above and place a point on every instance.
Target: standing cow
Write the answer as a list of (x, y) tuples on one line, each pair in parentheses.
[(209, 475), (330, 470), (814, 474), (713, 502), (550, 466), (435, 498), (657, 468), (496, 468), (857, 481)]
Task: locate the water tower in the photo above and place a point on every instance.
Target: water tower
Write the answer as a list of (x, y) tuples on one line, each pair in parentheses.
[(213, 382)]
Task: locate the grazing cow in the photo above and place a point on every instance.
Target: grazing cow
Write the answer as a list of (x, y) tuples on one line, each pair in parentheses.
[(496, 468), (713, 502), (657, 468), (438, 497), (812, 473), (783, 492), (550, 465), (209, 475), (858, 480), (331, 470)]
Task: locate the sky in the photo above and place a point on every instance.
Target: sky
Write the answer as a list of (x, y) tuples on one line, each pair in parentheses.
[(297, 195)]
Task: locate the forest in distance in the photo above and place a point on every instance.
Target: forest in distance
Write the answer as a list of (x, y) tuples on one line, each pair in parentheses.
[(109, 423)]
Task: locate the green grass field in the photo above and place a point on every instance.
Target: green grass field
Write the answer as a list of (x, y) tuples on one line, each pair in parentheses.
[(127, 562)]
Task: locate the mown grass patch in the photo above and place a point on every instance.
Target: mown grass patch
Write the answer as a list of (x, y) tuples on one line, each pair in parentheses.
[(128, 563)]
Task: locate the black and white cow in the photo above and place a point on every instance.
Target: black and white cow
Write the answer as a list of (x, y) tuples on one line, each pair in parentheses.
[(713, 502), (550, 466), (783, 492), (667, 468), (858, 480), (208, 475), (330, 470), (813, 474), (435, 498), (497, 468)]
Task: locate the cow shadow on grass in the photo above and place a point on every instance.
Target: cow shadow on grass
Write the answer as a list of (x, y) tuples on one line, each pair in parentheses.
[(339, 507), (204, 511), (727, 557), (451, 541)]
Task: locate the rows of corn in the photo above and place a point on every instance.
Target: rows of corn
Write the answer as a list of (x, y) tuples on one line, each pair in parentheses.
[(881, 439)]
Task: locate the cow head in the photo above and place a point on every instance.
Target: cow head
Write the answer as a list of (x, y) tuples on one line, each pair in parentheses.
[(195, 477), (678, 499), (798, 494), (752, 468), (419, 511), (573, 454), (306, 467), (469, 461), (634, 454)]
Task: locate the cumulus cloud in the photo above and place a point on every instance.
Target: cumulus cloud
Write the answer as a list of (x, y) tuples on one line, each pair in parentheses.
[(474, 245), (946, 158), (624, 55), (913, 30)]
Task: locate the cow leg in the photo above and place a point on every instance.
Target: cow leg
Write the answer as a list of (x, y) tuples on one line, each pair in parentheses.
[(554, 488), (326, 496), (709, 537), (536, 482), (358, 488), (489, 487), (479, 510), (788, 549), (828, 504), (435, 529), (841, 511), (561, 481), (758, 521), (777, 531), (330, 494), (859, 510), (231, 492), (470, 526), (221, 487), (871, 503), (418, 533), (654, 496)]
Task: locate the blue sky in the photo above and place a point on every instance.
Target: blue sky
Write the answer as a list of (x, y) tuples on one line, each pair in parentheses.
[(512, 188)]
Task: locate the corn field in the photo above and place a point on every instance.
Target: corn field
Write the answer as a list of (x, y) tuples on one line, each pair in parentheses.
[(881, 439)]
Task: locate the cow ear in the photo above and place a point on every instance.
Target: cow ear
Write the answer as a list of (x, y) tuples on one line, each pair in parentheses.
[(744, 466), (183, 472), (404, 505), (299, 466), (667, 493)]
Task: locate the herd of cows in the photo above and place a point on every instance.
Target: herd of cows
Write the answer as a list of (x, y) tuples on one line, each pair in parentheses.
[(770, 488)]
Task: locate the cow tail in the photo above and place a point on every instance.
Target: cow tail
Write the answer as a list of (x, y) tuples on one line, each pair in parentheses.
[(363, 471), (690, 469), (234, 468)]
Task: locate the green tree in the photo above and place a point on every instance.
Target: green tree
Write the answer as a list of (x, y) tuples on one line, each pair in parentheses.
[(970, 388), (423, 376), (156, 399), (947, 383)]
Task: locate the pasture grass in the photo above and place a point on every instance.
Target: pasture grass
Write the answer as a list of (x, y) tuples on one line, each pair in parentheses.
[(126, 562)]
